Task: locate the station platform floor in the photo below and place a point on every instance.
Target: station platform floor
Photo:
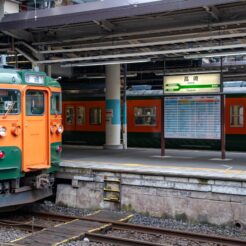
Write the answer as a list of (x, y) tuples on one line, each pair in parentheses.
[(191, 163)]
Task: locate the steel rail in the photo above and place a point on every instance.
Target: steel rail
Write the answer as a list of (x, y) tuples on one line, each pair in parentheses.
[(147, 229), (21, 225), (118, 241), (175, 233), (58, 217)]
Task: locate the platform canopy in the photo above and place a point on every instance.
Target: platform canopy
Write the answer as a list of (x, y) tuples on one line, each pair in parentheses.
[(102, 32)]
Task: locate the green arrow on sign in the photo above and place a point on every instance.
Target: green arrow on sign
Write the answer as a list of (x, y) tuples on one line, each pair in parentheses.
[(180, 87)]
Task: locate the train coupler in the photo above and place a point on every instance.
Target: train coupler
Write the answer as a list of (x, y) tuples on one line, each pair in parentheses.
[(43, 181)]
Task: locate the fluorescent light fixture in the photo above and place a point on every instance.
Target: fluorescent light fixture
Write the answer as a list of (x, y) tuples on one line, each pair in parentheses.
[(19, 62), (191, 72), (141, 1), (221, 54), (91, 64), (131, 75)]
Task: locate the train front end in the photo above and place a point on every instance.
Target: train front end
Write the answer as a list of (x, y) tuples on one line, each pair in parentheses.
[(30, 136)]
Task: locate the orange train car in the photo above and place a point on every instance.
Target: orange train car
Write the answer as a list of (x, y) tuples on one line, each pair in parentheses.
[(84, 120), (30, 136)]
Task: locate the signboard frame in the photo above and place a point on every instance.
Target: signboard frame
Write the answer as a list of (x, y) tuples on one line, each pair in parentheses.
[(195, 98), (222, 110)]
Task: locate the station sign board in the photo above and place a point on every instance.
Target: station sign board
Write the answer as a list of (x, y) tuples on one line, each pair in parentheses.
[(191, 84), (192, 117)]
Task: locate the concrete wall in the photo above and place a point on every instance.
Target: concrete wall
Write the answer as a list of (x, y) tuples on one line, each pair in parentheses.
[(190, 199)]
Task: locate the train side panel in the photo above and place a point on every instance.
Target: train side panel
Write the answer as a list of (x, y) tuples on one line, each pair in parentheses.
[(236, 133), (55, 123), (144, 133), (141, 131), (11, 144), (84, 122)]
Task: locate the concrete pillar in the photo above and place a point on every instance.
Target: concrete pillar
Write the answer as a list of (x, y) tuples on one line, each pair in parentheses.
[(113, 119)]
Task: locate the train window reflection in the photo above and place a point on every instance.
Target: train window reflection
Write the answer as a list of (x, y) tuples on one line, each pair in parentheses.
[(236, 116), (145, 116), (80, 116), (9, 102), (69, 115), (34, 102), (56, 103), (95, 116)]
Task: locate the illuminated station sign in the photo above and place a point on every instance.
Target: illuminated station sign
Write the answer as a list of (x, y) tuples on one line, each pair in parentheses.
[(190, 84), (192, 117), (189, 112)]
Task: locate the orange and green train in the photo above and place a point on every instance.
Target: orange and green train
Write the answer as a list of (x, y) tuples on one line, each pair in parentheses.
[(30, 135)]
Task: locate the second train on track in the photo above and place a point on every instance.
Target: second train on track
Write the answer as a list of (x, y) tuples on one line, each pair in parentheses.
[(84, 119)]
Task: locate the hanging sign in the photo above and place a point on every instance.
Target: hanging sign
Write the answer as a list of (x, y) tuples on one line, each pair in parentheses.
[(195, 83)]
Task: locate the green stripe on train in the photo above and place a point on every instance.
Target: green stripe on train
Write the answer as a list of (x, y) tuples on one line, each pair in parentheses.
[(55, 157), (152, 140), (10, 166)]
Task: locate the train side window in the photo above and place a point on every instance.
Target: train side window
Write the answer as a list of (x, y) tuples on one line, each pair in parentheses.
[(69, 115), (236, 116), (145, 116), (34, 103), (55, 103), (9, 101), (80, 119), (95, 116)]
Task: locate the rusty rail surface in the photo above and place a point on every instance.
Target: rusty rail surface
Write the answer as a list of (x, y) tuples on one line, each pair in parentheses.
[(112, 224), (220, 240)]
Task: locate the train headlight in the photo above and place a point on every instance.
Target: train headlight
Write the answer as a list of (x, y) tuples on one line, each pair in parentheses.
[(2, 154), (3, 131), (60, 129)]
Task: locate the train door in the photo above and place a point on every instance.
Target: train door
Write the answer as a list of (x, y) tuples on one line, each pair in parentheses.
[(36, 130)]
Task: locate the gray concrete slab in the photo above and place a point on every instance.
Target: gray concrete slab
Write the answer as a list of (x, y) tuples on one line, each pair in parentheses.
[(192, 163)]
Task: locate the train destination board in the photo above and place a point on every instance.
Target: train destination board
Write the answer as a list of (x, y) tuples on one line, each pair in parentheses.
[(195, 83), (192, 117)]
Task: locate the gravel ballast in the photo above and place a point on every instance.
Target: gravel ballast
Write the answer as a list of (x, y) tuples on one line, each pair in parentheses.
[(48, 206), (7, 234), (228, 231)]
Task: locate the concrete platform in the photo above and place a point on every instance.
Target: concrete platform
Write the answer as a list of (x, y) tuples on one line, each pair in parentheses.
[(196, 186), (192, 163)]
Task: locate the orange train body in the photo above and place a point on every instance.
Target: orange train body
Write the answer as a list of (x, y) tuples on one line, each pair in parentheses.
[(30, 135)]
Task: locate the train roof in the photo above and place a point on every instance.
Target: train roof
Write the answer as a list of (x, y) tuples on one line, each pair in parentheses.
[(229, 87), (227, 90), (30, 77), (144, 92)]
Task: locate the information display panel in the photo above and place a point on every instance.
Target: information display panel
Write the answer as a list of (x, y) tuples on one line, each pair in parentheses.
[(192, 83), (192, 117)]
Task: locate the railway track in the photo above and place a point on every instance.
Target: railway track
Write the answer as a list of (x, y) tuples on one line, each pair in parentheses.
[(96, 228)]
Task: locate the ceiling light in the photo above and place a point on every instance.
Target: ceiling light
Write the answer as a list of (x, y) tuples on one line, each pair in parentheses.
[(131, 75), (91, 64), (221, 54), (191, 72)]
